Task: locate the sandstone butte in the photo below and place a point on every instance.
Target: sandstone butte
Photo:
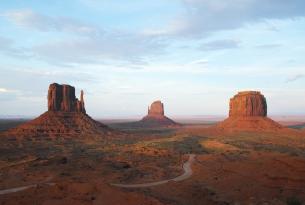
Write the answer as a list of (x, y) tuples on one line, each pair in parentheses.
[(248, 111), (66, 117), (62, 98), (155, 117)]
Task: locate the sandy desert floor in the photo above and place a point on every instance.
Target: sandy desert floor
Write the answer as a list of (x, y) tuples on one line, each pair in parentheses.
[(228, 168)]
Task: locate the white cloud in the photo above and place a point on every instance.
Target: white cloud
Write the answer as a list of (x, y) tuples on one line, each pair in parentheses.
[(202, 17), (94, 45), (3, 90), (7, 46), (117, 47), (220, 45), (30, 19), (8, 94), (269, 46), (199, 62), (295, 78)]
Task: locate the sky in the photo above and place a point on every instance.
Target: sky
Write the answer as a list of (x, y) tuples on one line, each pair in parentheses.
[(193, 55)]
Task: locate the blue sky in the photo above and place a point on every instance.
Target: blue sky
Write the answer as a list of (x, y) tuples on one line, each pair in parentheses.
[(191, 54)]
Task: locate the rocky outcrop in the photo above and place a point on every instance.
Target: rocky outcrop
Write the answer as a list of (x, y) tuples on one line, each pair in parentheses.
[(249, 124), (80, 106), (156, 109), (248, 111), (155, 117), (66, 117), (60, 125), (62, 98), (248, 103)]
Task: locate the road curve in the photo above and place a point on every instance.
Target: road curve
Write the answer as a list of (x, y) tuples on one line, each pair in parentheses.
[(21, 188), (187, 167), (17, 189)]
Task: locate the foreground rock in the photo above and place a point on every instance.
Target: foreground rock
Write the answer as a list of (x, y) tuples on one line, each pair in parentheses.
[(66, 117), (248, 111), (156, 118)]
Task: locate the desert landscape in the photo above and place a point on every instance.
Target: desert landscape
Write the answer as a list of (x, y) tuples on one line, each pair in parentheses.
[(163, 102), (66, 157)]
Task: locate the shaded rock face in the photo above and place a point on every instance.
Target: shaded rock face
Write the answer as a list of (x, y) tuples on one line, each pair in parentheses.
[(59, 124), (66, 117), (248, 104), (156, 109), (62, 98)]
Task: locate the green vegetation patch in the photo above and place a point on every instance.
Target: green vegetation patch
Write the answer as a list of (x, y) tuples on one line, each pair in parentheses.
[(293, 201), (185, 146), (294, 151)]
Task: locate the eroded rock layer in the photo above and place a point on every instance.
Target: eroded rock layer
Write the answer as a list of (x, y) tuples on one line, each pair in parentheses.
[(62, 98), (59, 124), (249, 124), (156, 109), (66, 117), (156, 118), (248, 111), (248, 103)]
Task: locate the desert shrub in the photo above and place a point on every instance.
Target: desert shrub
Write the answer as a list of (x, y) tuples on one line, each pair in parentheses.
[(186, 146), (294, 151), (293, 201)]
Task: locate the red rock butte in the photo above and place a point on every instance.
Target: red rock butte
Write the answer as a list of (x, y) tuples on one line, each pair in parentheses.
[(248, 103), (155, 116), (62, 98), (156, 109), (248, 111), (66, 117)]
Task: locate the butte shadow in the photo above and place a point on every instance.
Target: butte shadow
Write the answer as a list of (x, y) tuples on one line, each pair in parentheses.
[(66, 117)]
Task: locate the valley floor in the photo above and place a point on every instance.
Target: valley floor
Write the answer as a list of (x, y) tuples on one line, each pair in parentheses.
[(229, 168)]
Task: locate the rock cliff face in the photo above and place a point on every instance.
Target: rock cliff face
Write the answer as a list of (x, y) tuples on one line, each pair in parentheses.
[(80, 103), (248, 103), (248, 111), (62, 98), (66, 117), (156, 109)]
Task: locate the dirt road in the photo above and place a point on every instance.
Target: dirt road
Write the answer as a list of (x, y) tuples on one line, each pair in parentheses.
[(187, 167)]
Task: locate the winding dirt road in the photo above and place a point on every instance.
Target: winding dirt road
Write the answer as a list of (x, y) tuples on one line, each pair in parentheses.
[(187, 173), (17, 189), (186, 167)]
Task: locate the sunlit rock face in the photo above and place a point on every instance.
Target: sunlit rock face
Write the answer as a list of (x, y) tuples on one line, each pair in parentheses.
[(62, 98), (156, 109), (248, 111), (248, 104)]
